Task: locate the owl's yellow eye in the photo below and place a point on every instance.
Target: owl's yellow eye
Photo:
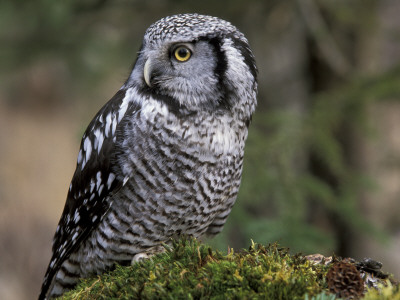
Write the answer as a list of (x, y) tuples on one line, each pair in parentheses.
[(182, 53)]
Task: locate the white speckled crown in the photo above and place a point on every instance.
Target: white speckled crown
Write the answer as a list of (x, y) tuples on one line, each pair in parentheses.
[(189, 25)]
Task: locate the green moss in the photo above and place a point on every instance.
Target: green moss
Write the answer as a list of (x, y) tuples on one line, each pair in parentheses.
[(190, 270), (390, 291)]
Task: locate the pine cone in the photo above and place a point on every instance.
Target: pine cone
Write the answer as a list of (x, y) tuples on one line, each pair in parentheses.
[(345, 281)]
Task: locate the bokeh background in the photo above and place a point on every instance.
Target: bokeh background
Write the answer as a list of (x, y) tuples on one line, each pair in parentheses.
[(322, 163)]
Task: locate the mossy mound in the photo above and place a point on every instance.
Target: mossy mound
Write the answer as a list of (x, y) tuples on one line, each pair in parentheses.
[(190, 270)]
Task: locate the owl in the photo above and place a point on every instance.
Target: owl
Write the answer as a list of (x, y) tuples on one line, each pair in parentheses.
[(164, 156)]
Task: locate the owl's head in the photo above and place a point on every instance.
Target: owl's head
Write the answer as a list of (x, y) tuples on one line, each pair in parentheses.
[(194, 62)]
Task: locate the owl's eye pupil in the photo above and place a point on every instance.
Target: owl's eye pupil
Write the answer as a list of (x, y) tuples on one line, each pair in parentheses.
[(182, 54)]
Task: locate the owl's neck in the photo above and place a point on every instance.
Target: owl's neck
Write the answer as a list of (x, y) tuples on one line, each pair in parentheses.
[(213, 133)]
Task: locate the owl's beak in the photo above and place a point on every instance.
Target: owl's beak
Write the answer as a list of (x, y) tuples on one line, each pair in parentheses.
[(147, 72)]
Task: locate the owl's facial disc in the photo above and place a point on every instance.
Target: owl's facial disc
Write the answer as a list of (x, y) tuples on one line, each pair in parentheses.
[(184, 72), (179, 53)]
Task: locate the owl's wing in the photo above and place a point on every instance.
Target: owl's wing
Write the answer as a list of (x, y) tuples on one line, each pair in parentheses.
[(92, 183)]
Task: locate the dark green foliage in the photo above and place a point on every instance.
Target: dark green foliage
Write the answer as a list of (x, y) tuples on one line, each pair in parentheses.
[(189, 270)]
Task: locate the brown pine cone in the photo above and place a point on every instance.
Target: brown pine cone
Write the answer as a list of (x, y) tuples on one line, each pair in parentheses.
[(345, 281)]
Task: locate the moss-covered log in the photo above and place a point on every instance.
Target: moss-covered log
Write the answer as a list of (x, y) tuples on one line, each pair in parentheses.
[(190, 270)]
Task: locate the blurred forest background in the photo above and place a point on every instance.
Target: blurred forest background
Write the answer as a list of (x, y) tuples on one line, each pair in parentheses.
[(322, 163)]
